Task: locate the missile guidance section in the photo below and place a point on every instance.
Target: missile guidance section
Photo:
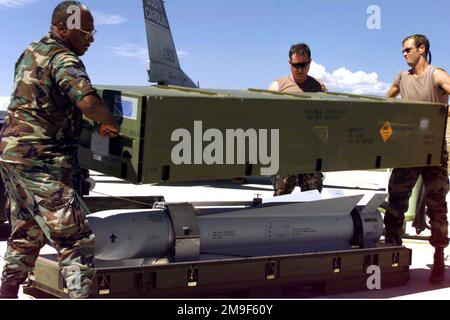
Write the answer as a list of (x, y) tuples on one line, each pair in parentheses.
[(184, 233)]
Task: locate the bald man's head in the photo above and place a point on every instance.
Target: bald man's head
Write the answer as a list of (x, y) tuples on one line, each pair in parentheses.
[(78, 36), (61, 13)]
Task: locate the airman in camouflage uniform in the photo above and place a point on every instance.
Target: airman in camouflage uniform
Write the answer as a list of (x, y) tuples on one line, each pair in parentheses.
[(298, 81), (38, 154), (423, 82)]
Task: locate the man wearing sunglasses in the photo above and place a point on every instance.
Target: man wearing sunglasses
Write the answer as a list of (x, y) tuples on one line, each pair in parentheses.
[(38, 153), (298, 81), (422, 82)]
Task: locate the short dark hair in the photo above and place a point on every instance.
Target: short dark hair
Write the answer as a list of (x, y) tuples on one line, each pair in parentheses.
[(419, 40), (300, 49), (60, 12)]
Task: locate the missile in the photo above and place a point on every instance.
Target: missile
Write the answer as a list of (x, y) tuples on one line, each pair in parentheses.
[(185, 233)]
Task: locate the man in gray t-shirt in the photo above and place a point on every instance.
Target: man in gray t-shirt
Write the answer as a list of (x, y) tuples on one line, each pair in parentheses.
[(298, 81), (422, 82)]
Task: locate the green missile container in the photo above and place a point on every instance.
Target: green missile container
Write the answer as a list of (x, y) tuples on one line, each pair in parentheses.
[(182, 134)]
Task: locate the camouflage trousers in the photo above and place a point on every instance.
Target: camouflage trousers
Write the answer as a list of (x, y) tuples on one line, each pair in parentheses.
[(285, 184), (436, 184), (44, 208)]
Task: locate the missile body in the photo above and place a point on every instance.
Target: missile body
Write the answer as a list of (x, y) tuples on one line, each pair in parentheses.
[(324, 225)]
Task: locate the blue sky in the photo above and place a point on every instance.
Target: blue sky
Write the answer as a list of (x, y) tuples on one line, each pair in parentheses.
[(242, 44)]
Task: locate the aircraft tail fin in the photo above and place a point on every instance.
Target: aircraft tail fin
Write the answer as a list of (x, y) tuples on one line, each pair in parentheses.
[(164, 64)]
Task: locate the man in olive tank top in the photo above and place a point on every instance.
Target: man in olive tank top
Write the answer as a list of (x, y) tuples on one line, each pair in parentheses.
[(298, 81), (422, 82)]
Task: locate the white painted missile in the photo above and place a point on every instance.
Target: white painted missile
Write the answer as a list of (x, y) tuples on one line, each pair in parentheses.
[(324, 225)]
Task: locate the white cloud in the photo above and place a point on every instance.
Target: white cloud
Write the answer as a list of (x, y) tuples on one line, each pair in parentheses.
[(102, 18), (344, 80), (183, 54), (4, 102), (134, 51), (15, 3), (131, 51)]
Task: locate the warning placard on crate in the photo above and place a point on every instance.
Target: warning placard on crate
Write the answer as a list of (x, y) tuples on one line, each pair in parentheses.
[(386, 131)]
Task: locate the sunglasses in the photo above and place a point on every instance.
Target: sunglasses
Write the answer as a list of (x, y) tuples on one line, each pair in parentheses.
[(407, 50), (88, 34), (300, 65)]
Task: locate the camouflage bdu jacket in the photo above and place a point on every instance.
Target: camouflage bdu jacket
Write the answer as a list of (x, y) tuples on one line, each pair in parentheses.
[(43, 124)]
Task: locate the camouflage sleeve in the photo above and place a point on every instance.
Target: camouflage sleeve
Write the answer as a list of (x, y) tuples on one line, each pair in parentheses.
[(70, 75)]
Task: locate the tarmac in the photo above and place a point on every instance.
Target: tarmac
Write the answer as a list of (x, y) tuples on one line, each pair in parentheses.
[(336, 183)]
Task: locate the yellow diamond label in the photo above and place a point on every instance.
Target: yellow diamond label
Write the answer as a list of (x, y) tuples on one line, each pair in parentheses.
[(386, 131)]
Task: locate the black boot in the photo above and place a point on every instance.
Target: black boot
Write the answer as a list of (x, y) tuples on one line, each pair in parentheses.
[(8, 292), (438, 271), (392, 237)]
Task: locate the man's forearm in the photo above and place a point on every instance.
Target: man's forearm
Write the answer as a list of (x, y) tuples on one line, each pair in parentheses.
[(95, 109), (99, 112), (392, 92)]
